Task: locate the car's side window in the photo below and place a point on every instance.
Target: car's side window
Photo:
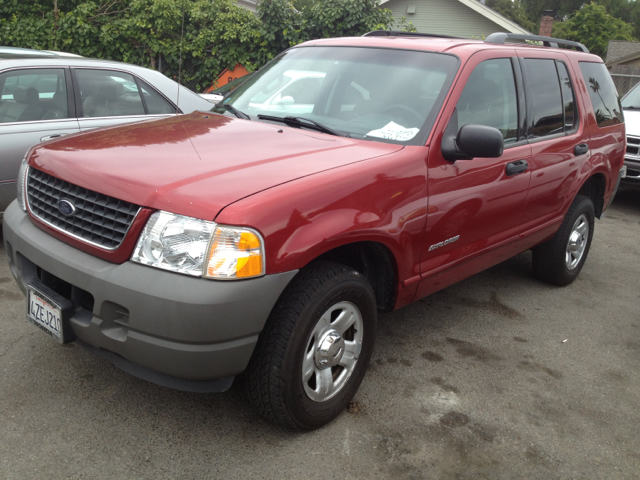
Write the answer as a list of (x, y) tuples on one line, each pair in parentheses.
[(489, 98), (107, 93), (545, 97), (603, 94), (156, 104), (568, 98), (33, 94)]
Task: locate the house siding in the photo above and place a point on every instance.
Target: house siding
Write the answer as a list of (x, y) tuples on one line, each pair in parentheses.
[(444, 17)]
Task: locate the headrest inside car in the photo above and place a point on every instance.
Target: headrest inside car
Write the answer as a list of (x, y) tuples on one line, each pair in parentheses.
[(111, 90), (27, 95)]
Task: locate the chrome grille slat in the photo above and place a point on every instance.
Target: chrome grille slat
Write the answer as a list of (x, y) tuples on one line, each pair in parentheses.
[(99, 219), (633, 147)]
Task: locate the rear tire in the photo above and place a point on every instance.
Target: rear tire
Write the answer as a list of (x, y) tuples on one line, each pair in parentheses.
[(560, 259), (315, 348)]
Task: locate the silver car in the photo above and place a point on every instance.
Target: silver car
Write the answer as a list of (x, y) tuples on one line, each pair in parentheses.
[(44, 95), (631, 108)]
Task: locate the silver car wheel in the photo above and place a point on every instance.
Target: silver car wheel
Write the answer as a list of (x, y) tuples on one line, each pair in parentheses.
[(578, 240), (332, 351)]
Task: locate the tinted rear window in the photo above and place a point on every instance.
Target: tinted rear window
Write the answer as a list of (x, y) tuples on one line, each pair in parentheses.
[(568, 97), (603, 94)]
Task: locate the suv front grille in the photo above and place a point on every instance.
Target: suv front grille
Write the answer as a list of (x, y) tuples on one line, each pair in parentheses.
[(100, 220), (633, 147)]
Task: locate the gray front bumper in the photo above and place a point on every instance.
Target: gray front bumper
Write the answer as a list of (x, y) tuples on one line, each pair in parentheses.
[(168, 328), (7, 194), (633, 169)]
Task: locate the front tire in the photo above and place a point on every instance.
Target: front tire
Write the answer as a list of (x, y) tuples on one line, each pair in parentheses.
[(313, 353), (560, 259)]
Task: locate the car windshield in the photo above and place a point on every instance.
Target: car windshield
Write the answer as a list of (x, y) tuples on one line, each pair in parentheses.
[(370, 93), (632, 99)]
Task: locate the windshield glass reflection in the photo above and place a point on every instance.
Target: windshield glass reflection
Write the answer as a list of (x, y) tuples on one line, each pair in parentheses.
[(369, 93)]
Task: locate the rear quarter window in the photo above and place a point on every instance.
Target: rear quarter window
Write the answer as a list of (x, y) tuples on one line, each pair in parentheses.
[(546, 97), (603, 94)]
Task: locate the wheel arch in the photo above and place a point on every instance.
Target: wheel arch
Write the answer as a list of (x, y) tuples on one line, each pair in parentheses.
[(594, 188), (375, 261)]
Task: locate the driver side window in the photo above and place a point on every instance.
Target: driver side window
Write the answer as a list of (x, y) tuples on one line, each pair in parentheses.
[(489, 98)]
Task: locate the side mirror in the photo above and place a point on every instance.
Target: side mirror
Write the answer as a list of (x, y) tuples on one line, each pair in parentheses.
[(473, 141)]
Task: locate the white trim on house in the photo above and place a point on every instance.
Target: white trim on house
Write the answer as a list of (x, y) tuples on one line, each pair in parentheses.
[(495, 17)]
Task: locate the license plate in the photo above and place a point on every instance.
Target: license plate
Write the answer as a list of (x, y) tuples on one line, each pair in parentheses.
[(624, 171), (45, 313)]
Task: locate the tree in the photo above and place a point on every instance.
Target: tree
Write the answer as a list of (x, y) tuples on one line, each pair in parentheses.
[(514, 11), (301, 5), (283, 26), (217, 34), (593, 27), (337, 18), (562, 8), (627, 10)]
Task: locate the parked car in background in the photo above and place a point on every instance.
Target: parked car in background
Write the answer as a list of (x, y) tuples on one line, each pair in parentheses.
[(15, 52), (631, 106), (45, 95), (219, 93)]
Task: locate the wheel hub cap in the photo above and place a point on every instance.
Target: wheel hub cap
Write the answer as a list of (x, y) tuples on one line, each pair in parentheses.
[(330, 349), (577, 242)]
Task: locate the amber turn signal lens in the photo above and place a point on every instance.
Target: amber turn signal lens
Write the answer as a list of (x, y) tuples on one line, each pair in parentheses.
[(235, 253)]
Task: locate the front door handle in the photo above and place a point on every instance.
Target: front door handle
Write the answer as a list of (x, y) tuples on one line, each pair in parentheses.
[(514, 168), (49, 137), (581, 149)]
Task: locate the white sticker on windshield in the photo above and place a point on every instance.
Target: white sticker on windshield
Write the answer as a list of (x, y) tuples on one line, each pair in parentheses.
[(393, 131)]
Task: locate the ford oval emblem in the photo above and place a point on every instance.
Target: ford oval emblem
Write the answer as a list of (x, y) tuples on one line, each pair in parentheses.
[(66, 208)]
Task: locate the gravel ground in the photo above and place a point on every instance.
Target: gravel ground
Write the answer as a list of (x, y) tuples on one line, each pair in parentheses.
[(472, 382)]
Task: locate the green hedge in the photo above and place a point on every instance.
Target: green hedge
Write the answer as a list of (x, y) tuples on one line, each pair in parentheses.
[(218, 34)]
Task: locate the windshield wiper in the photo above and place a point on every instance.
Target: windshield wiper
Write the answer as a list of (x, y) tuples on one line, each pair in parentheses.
[(230, 108), (299, 122), (631, 107)]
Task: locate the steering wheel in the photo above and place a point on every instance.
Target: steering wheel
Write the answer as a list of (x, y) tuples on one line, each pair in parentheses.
[(404, 109)]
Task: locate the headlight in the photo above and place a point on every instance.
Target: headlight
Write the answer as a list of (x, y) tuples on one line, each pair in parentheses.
[(199, 248), (174, 242), (21, 185)]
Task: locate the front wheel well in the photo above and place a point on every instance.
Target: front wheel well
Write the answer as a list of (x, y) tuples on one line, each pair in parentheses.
[(373, 260), (594, 189)]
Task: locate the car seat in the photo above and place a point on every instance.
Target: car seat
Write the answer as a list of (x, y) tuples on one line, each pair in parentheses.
[(104, 102), (59, 109), (24, 106)]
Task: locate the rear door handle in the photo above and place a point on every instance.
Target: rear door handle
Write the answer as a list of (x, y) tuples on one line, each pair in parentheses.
[(49, 137), (581, 149), (514, 168)]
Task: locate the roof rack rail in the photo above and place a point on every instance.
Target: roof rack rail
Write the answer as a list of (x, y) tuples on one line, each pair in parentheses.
[(500, 37), (393, 33)]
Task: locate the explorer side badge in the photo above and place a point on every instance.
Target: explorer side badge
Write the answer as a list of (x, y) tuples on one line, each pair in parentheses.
[(446, 242)]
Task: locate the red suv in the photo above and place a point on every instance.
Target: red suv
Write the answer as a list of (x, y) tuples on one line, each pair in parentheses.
[(346, 177)]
